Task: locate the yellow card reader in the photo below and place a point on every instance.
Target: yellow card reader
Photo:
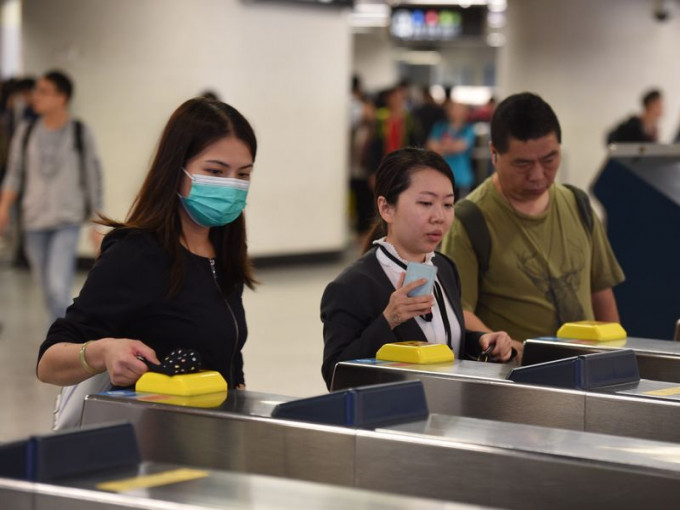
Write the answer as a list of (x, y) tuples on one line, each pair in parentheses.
[(198, 383), (421, 353), (592, 330)]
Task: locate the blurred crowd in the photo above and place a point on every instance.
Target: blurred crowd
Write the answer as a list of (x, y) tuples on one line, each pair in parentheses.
[(409, 116), (16, 106)]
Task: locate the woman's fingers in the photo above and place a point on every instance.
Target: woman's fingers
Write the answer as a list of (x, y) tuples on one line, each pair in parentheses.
[(411, 286), (147, 353), (499, 343), (402, 308)]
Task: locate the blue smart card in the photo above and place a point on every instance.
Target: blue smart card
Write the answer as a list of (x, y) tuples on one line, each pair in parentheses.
[(416, 271)]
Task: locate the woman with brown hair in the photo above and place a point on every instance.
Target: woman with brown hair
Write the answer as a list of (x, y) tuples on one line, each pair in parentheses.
[(368, 305), (172, 274)]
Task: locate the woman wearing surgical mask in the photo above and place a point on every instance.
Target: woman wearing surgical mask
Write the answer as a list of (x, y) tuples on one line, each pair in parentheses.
[(368, 305), (172, 274)]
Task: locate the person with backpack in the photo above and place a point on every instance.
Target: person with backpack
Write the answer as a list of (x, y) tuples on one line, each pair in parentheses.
[(531, 253), (643, 128), (54, 173)]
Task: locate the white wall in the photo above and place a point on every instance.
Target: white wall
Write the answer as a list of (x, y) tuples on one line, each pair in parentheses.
[(591, 60), (373, 61), (10, 38), (286, 68)]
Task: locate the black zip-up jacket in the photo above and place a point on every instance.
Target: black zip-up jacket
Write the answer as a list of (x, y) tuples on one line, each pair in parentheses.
[(126, 296)]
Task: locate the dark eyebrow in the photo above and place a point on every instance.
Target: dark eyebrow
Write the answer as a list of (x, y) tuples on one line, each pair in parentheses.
[(551, 154), (222, 163), (432, 193)]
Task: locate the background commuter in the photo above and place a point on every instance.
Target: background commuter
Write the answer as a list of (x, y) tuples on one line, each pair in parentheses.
[(54, 173), (362, 119), (427, 114), (644, 127), (209, 94), (454, 139), (549, 260), (172, 275), (394, 129), (17, 106), (368, 305)]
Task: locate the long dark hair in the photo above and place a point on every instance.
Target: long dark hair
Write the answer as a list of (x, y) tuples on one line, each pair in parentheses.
[(196, 124), (393, 177)]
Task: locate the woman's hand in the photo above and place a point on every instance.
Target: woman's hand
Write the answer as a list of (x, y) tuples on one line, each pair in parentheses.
[(119, 356), (519, 347), (402, 308), (500, 344)]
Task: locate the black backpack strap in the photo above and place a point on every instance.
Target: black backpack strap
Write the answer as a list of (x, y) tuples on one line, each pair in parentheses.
[(80, 148), (27, 137), (585, 211), (78, 136), (473, 220), (24, 150)]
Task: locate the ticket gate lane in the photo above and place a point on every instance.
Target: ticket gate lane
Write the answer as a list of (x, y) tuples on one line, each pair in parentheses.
[(469, 471), (657, 359), (529, 467), (477, 390), (216, 490), (246, 443), (480, 390)]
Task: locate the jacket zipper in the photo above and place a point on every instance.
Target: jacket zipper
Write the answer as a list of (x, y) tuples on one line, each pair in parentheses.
[(233, 316)]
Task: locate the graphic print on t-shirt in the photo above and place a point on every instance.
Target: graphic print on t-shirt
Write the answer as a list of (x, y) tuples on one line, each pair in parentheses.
[(560, 290)]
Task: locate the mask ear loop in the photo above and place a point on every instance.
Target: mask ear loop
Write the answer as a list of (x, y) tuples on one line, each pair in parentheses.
[(188, 174), (191, 178)]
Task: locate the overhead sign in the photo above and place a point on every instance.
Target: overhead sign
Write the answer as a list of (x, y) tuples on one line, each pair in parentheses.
[(437, 23)]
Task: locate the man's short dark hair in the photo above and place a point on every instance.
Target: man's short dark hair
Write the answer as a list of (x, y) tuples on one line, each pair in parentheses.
[(650, 96), (25, 84), (524, 117), (61, 81)]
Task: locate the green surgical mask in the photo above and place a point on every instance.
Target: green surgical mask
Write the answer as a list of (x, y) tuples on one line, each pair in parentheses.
[(215, 201)]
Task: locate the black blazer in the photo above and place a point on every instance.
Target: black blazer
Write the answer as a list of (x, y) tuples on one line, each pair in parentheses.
[(352, 313)]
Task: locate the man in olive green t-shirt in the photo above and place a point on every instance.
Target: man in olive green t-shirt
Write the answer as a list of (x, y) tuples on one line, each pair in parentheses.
[(545, 267)]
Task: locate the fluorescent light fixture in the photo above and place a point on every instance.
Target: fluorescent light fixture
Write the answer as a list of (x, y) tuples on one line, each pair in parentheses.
[(474, 96), (461, 3), (497, 5), (370, 15), (495, 19), (495, 39), (420, 58)]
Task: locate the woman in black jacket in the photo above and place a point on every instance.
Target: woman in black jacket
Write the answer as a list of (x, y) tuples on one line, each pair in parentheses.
[(367, 306), (172, 274)]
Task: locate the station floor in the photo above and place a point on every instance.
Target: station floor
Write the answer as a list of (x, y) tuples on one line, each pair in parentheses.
[(282, 354)]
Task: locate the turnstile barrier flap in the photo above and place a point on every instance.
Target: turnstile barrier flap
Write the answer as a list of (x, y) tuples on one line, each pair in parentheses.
[(13, 460), (363, 407), (71, 453), (76, 452), (583, 372)]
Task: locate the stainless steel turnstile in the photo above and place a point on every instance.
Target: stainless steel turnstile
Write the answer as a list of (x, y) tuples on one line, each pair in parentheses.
[(648, 409), (450, 458), (207, 489), (658, 360)]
